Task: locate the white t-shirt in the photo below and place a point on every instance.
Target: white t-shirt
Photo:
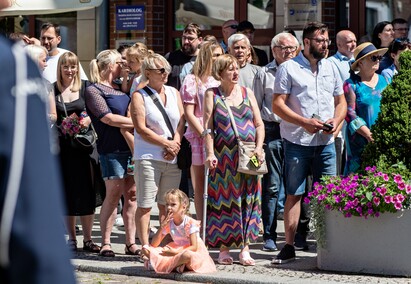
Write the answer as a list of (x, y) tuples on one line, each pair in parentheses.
[(50, 73)]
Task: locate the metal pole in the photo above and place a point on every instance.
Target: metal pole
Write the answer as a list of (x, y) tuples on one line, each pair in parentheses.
[(205, 197)]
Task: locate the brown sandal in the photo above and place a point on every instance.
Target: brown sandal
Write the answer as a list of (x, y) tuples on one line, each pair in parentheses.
[(129, 252), (91, 246), (106, 252)]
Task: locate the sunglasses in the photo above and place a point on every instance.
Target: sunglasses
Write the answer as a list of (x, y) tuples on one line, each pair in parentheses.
[(161, 70), (374, 58)]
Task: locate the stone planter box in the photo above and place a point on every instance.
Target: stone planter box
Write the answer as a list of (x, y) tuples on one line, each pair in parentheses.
[(375, 245)]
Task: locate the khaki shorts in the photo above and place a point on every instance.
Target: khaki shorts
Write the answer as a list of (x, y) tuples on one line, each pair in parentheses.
[(153, 179)]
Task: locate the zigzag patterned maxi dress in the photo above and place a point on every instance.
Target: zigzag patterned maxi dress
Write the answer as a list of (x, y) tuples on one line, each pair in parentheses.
[(234, 199)]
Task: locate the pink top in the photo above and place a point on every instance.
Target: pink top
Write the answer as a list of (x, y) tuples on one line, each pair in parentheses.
[(181, 233), (192, 92)]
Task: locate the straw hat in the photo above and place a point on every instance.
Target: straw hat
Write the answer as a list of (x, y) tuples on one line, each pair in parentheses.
[(365, 49)]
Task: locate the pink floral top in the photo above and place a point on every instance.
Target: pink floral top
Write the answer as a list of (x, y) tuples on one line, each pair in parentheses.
[(192, 92)]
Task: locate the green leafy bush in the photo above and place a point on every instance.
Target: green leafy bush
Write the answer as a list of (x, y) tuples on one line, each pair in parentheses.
[(392, 130)]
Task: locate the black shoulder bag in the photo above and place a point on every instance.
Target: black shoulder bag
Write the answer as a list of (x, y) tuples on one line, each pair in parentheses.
[(83, 141)]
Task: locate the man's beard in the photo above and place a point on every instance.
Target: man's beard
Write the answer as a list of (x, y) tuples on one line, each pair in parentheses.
[(189, 49), (316, 54)]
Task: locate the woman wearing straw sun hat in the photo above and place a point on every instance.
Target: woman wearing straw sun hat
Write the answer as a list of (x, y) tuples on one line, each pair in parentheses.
[(363, 94)]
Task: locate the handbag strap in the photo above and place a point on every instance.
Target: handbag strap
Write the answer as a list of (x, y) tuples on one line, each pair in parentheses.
[(230, 113), (160, 108), (65, 109)]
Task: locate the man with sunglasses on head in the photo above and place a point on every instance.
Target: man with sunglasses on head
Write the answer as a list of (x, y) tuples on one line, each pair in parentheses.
[(228, 28), (309, 98), (50, 38)]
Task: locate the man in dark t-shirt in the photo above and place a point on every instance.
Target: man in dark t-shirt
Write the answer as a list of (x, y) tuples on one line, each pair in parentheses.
[(191, 39)]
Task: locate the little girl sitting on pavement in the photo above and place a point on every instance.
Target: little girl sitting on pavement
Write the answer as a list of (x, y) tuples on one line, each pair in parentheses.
[(187, 250)]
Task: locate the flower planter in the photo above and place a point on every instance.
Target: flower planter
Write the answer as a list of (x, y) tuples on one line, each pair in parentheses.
[(374, 245)]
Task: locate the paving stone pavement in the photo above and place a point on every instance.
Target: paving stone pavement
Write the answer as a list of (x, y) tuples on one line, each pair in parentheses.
[(303, 270)]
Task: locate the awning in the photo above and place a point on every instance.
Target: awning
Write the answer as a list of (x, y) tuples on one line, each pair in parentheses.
[(36, 7)]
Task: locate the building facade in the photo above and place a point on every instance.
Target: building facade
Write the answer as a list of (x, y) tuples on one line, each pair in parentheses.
[(159, 23)]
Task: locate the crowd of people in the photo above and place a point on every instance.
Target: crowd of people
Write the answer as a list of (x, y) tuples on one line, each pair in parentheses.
[(309, 111)]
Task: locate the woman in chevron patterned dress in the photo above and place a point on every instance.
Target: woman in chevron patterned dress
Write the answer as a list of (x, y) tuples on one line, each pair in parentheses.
[(234, 199)]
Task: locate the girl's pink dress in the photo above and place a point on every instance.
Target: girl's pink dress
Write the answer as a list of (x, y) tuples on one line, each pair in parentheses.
[(192, 92), (200, 261)]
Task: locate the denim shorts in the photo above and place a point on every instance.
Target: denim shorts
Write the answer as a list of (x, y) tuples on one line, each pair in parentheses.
[(301, 161), (114, 165)]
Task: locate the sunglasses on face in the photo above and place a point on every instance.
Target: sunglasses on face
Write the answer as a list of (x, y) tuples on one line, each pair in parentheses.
[(374, 58), (161, 70)]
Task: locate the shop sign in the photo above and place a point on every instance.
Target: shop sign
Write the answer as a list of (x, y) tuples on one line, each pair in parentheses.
[(130, 17)]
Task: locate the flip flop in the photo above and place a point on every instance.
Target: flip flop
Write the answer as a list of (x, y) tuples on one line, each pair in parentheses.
[(225, 258)]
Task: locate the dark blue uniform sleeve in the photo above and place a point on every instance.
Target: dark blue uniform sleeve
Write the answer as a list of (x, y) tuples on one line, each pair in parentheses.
[(35, 243)]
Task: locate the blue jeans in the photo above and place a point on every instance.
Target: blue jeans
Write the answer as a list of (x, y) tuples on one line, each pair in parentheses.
[(299, 160), (273, 180)]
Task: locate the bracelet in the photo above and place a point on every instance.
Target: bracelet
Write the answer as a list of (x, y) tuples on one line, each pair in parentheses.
[(205, 132)]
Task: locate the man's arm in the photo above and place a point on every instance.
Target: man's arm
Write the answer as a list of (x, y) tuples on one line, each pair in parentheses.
[(280, 108)]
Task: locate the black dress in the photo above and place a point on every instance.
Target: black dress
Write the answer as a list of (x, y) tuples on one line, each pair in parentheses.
[(75, 164)]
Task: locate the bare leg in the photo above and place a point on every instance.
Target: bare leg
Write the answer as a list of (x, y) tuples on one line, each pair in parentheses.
[(87, 226), (291, 215), (129, 212), (197, 177), (161, 211), (71, 227), (142, 223), (109, 209)]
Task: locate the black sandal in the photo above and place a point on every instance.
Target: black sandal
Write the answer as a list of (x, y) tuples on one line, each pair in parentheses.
[(129, 252), (72, 244), (91, 246), (107, 252)]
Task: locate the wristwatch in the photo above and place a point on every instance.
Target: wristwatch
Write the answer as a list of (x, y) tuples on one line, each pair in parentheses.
[(205, 132)]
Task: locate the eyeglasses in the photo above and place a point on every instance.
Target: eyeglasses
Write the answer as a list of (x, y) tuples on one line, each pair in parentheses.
[(321, 40), (287, 48), (161, 70), (189, 39), (374, 58), (234, 27)]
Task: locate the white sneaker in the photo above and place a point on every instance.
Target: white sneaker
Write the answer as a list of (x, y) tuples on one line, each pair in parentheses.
[(119, 221)]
